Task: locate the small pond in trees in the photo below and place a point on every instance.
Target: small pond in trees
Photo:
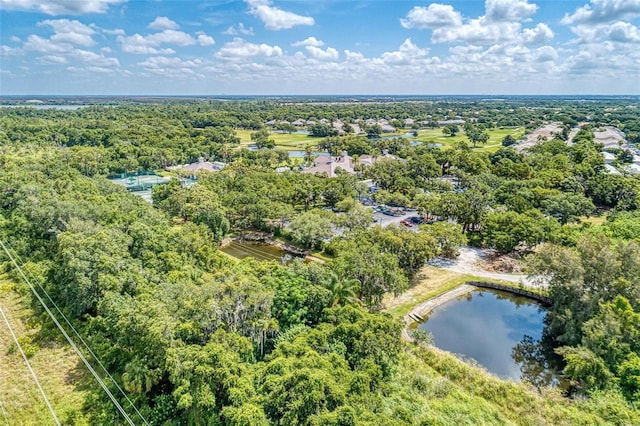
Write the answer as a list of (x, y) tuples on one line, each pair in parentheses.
[(259, 251), (500, 331)]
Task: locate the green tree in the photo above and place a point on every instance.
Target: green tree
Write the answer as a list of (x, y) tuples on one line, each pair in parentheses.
[(310, 228), (343, 292), (448, 236), (508, 141), (262, 139)]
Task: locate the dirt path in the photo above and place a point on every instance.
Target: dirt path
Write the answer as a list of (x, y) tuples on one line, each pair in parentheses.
[(472, 261)]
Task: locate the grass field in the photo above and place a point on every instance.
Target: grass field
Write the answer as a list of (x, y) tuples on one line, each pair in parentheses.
[(284, 141), (57, 367), (494, 143), (294, 142)]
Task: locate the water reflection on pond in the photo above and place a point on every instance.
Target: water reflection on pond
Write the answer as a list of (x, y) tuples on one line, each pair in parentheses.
[(500, 331)]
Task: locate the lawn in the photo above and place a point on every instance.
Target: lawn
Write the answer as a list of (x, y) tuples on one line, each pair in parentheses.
[(284, 141), (298, 142), (494, 143)]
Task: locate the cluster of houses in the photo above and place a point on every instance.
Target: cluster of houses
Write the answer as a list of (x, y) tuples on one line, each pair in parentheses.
[(612, 137), (359, 125), (631, 168), (199, 166), (330, 165)]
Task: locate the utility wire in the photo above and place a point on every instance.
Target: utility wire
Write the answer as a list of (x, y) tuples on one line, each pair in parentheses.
[(33, 373), (71, 342), (86, 346)]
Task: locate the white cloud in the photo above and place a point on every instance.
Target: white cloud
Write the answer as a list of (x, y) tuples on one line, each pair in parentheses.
[(140, 45), (172, 67), (355, 57), (39, 44), (546, 54), (501, 23), (70, 32), (310, 41), (242, 30), (434, 16), (15, 39), (619, 32), (239, 48), (163, 23), (604, 11), (509, 10), (60, 7), (149, 44), (117, 31), (205, 40), (478, 31), (10, 51), (329, 54), (539, 35), (407, 53), (178, 38), (274, 18), (624, 32), (53, 59), (95, 59)]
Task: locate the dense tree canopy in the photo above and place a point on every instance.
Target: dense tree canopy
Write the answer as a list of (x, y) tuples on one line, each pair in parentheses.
[(195, 337)]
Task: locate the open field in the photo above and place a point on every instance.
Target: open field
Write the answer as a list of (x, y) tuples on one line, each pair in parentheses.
[(295, 141), (284, 141), (494, 143), (57, 367)]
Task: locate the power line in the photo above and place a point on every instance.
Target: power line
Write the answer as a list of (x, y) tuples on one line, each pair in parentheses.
[(85, 344), (33, 373), (71, 342)]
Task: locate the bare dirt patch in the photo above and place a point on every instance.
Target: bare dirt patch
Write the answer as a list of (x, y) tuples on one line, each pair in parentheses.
[(504, 264)]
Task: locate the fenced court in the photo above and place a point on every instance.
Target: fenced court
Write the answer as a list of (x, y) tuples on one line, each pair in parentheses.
[(141, 182)]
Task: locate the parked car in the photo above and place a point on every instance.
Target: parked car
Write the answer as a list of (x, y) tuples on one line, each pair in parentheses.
[(388, 212), (406, 222), (416, 219)]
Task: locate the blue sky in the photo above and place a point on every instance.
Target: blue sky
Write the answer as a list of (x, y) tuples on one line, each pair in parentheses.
[(133, 47)]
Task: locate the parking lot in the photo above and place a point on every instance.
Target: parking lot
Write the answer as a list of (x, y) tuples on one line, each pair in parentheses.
[(385, 220)]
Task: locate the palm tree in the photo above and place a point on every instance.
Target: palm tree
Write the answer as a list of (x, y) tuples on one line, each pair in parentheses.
[(343, 292), (308, 155), (138, 377)]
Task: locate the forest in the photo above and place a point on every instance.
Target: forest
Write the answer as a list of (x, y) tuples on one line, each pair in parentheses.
[(193, 336)]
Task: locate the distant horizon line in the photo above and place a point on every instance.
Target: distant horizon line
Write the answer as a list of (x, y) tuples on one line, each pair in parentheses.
[(335, 95)]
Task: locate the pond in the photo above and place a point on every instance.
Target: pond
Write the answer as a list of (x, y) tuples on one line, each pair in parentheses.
[(243, 249), (302, 154), (500, 331)]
